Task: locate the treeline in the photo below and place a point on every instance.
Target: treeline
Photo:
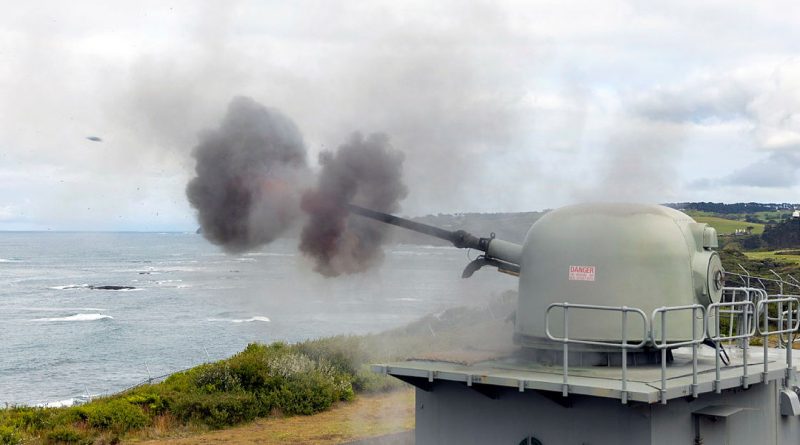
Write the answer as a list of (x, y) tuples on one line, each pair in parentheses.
[(739, 207), (782, 235)]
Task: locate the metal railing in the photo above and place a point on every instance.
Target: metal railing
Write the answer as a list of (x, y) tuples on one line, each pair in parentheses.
[(623, 345), (752, 311), (787, 326), (746, 328), (664, 344)]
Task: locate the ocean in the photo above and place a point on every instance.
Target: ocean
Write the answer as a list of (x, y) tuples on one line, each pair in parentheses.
[(87, 314)]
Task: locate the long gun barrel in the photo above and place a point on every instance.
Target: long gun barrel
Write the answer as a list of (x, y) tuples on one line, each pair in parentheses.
[(502, 254), (459, 238)]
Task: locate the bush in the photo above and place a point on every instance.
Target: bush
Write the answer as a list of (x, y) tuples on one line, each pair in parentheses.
[(310, 392), (371, 382), (115, 415), (8, 436), (217, 377), (66, 435), (217, 410), (345, 353), (150, 402)]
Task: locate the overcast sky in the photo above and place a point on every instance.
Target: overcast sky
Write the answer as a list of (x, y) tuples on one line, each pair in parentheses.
[(499, 105)]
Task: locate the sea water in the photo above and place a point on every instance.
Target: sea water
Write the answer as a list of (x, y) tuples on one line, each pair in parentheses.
[(85, 314)]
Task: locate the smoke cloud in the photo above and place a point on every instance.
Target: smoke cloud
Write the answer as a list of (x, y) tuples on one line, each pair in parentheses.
[(364, 171), (253, 180), (250, 176)]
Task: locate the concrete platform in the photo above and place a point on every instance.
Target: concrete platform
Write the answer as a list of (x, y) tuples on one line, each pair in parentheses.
[(643, 381)]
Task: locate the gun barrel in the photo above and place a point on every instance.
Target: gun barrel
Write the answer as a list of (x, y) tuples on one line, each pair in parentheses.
[(458, 238)]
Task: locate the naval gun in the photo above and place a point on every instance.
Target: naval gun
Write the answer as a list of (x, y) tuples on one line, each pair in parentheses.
[(498, 253), (614, 255)]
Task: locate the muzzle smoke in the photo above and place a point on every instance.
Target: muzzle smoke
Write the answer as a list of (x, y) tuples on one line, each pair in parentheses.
[(250, 175), (253, 179), (364, 171)]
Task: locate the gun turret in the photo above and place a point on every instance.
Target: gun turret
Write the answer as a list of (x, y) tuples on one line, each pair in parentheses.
[(502, 254)]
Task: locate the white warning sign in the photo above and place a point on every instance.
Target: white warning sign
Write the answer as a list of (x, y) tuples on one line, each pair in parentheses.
[(581, 273)]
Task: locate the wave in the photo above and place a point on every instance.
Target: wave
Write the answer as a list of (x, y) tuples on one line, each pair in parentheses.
[(62, 309), (78, 317), (10, 260), (70, 286), (269, 254), (241, 320), (74, 401)]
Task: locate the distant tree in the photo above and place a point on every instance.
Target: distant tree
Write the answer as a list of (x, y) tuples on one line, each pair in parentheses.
[(782, 235)]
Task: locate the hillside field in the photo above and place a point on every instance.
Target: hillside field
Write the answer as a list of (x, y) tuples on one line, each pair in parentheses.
[(726, 226)]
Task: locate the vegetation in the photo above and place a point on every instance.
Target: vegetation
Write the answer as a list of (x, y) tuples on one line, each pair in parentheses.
[(736, 209), (262, 381), (368, 416), (726, 226), (257, 382)]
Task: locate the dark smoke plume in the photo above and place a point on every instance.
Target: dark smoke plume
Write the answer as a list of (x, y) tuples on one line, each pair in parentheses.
[(364, 171), (252, 180), (251, 172)]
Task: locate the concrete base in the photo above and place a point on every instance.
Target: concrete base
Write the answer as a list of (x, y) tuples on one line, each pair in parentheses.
[(453, 413)]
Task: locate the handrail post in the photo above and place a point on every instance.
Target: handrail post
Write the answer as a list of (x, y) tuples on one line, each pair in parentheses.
[(789, 345), (765, 339), (745, 345), (718, 379), (624, 355), (664, 357), (565, 364), (694, 351)]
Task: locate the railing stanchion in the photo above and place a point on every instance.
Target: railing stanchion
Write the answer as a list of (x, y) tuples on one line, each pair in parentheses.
[(565, 386), (745, 345), (717, 380), (694, 351), (789, 345), (765, 340), (624, 355), (664, 357)]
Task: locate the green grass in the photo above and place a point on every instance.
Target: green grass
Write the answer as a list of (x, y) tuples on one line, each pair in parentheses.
[(727, 226), (786, 256)]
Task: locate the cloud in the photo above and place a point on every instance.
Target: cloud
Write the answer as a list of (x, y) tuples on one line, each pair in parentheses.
[(718, 98), (504, 105)]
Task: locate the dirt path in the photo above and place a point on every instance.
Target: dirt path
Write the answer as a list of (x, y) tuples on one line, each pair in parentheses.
[(367, 416)]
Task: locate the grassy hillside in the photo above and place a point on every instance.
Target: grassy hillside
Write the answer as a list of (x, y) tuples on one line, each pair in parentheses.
[(788, 257), (725, 226)]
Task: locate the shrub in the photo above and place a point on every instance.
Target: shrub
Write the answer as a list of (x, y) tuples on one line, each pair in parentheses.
[(216, 410), (115, 414), (308, 393), (345, 353), (217, 377), (251, 368), (66, 435), (151, 402), (32, 419), (371, 382), (8, 436)]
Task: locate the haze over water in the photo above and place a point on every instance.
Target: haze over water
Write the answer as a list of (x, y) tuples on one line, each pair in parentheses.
[(61, 339)]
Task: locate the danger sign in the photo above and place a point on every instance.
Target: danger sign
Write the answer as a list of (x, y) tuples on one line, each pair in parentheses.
[(581, 273)]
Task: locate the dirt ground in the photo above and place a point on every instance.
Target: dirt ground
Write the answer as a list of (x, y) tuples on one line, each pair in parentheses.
[(366, 417)]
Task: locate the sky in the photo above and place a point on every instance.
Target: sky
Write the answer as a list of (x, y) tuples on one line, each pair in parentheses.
[(498, 105)]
